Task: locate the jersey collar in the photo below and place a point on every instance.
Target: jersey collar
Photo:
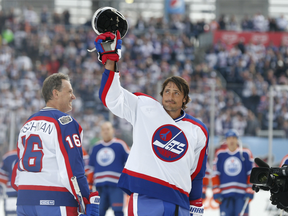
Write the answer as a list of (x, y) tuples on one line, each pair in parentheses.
[(47, 108), (183, 114)]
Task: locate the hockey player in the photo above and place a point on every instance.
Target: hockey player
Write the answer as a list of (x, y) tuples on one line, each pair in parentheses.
[(50, 153), (284, 160), (107, 161), (231, 176), (167, 162), (9, 160)]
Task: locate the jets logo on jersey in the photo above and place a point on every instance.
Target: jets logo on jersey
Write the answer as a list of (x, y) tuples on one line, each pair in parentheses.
[(105, 156), (169, 143), (232, 166)]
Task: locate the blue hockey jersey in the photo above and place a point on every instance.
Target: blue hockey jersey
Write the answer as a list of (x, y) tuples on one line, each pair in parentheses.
[(9, 160), (284, 161), (231, 172), (107, 161)]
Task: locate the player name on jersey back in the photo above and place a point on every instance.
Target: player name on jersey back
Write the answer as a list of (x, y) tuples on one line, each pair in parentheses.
[(33, 126)]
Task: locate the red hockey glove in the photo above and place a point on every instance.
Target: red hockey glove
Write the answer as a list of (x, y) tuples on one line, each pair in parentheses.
[(108, 46)]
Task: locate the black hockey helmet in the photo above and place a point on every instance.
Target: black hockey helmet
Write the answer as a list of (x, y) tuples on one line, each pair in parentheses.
[(108, 19)]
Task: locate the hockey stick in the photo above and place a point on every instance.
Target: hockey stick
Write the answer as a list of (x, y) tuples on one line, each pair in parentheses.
[(244, 207), (78, 193)]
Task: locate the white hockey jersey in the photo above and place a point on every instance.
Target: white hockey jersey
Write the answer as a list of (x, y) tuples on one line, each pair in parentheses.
[(168, 156), (50, 153)]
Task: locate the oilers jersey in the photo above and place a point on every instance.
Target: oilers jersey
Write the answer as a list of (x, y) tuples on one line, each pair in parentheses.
[(168, 157), (107, 161), (231, 172), (50, 153), (9, 160)]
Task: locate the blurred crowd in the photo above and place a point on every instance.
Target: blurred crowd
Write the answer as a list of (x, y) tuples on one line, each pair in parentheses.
[(33, 47), (249, 71), (258, 23)]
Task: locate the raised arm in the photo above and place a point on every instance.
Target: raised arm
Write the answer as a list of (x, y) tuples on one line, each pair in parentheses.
[(110, 65)]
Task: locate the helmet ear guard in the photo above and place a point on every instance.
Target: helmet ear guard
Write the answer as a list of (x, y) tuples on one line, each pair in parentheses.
[(108, 19)]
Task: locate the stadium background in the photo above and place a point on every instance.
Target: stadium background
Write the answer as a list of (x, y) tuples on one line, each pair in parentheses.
[(222, 48)]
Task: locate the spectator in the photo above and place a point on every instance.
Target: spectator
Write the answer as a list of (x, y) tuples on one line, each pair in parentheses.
[(214, 25), (20, 38), (253, 101), (44, 15), (247, 24), (56, 18), (141, 24), (232, 24), (11, 16), (239, 123), (106, 161), (282, 23), (2, 20), (252, 124), (30, 16), (188, 27), (260, 23), (66, 17), (53, 65), (7, 35), (272, 24), (222, 22), (241, 46)]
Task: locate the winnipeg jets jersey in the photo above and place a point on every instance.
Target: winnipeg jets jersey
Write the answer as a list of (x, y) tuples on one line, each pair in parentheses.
[(9, 160), (50, 153), (284, 160), (231, 172), (107, 161), (168, 156)]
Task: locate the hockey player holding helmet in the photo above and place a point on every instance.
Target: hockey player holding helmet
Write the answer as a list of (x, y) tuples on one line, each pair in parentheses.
[(165, 169)]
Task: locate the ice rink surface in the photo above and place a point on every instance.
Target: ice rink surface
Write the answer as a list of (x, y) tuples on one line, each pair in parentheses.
[(259, 206)]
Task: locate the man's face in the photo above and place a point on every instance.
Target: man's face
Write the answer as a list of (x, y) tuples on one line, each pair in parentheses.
[(173, 98), (232, 143), (107, 132), (65, 97)]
